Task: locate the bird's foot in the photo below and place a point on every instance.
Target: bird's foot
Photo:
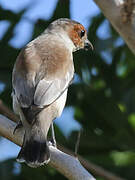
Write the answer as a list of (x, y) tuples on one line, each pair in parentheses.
[(53, 142), (18, 126)]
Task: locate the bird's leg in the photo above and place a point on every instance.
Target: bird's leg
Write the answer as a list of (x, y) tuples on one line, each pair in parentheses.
[(53, 141), (18, 126)]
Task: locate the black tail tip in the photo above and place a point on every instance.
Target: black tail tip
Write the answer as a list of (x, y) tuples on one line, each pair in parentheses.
[(34, 154), (33, 164)]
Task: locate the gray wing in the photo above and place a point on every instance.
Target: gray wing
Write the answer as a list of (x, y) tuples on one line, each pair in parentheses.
[(23, 90), (48, 91), (45, 93)]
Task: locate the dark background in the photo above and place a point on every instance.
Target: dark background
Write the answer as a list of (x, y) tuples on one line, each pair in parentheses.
[(103, 99)]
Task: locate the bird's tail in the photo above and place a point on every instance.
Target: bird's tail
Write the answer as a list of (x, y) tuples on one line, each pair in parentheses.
[(33, 152)]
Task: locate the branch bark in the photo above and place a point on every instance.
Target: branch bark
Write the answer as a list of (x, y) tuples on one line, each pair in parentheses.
[(95, 169), (114, 12), (68, 165)]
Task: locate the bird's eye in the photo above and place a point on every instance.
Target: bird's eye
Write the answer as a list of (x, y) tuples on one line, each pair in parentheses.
[(82, 33)]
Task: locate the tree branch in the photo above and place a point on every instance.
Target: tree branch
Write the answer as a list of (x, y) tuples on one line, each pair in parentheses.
[(95, 169), (121, 18), (68, 165)]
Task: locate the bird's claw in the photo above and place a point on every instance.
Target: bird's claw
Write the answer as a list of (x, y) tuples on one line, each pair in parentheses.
[(53, 143), (18, 126)]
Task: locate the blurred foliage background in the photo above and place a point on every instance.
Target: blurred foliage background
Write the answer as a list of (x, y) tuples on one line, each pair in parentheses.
[(103, 98)]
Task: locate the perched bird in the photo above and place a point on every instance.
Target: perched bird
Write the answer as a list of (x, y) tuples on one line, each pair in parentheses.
[(42, 74)]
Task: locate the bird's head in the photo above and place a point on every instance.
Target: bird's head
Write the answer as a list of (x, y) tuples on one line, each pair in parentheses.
[(74, 30)]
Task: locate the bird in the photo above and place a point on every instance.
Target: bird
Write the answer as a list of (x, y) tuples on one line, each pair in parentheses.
[(41, 75)]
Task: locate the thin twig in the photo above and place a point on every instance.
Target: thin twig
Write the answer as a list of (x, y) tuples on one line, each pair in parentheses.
[(77, 143)]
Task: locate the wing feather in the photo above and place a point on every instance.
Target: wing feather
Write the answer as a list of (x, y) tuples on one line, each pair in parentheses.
[(48, 91)]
